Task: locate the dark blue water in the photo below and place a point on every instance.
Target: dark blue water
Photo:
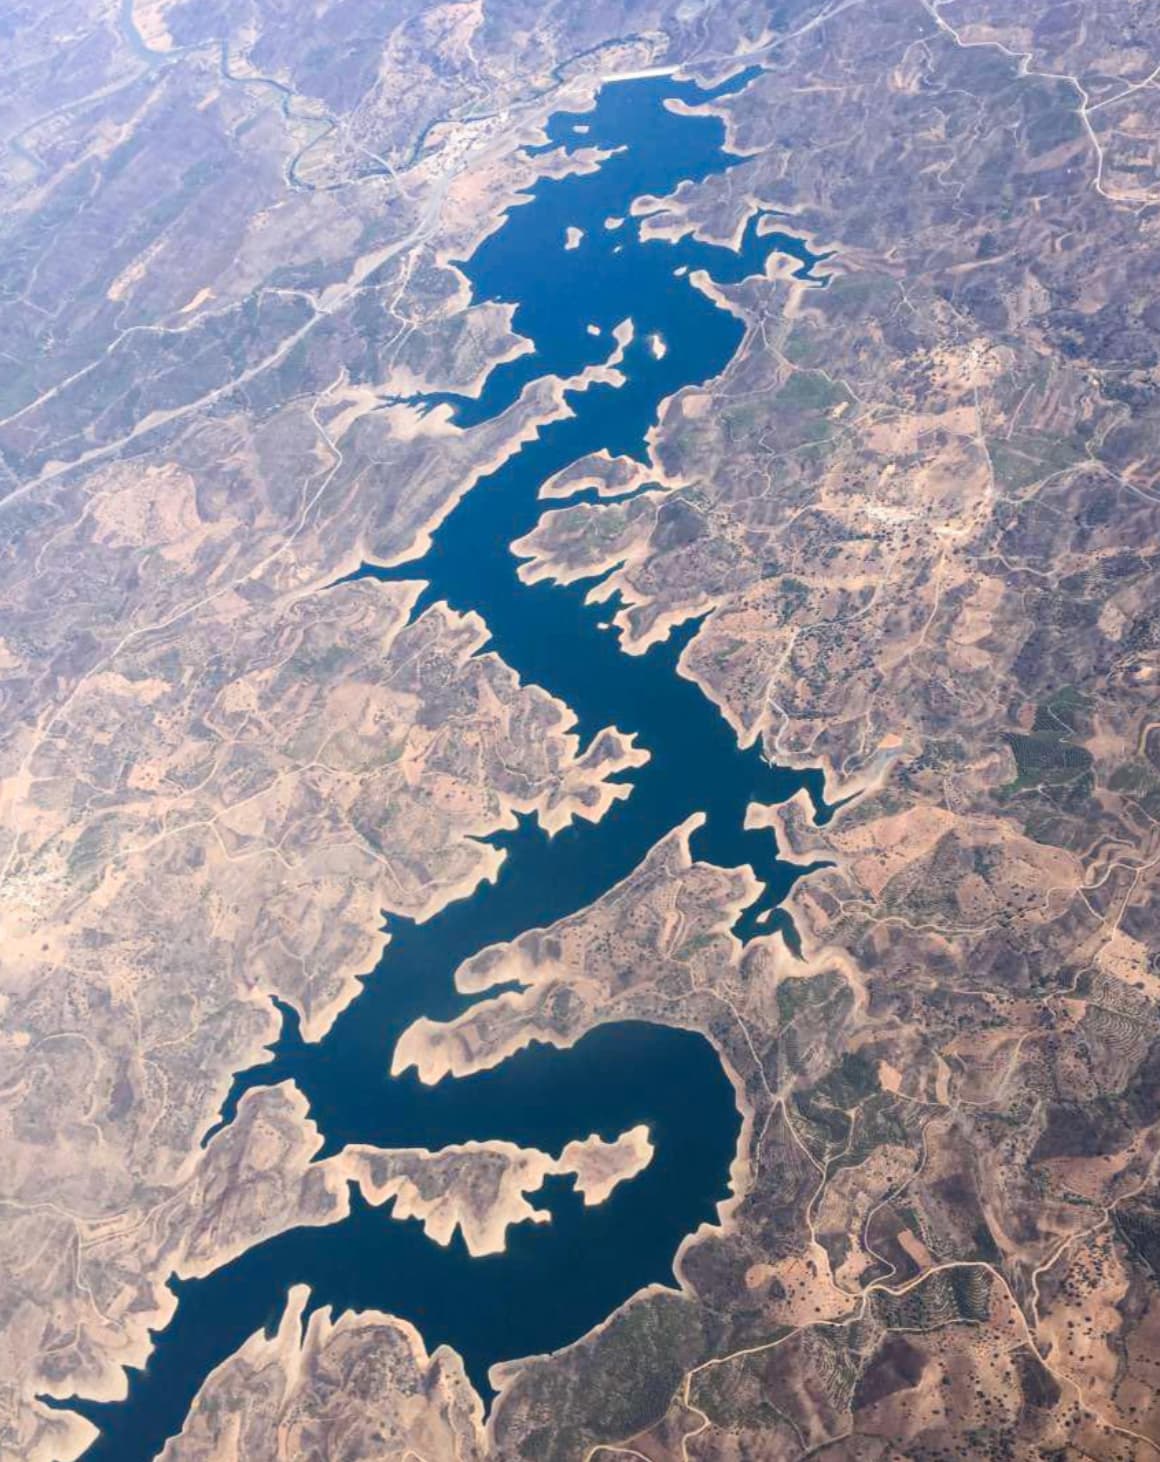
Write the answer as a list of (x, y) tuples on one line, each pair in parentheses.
[(556, 1280)]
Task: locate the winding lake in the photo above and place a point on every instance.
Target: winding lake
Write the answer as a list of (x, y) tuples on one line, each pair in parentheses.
[(555, 1280)]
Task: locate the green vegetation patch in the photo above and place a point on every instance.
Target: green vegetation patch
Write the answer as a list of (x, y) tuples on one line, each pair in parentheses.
[(792, 595), (951, 1297), (1047, 756), (736, 1392), (811, 391), (851, 1081), (616, 1383), (794, 995)]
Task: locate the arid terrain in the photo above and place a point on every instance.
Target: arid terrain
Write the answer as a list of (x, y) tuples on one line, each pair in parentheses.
[(917, 518)]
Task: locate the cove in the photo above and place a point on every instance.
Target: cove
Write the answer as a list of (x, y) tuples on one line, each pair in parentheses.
[(556, 1280)]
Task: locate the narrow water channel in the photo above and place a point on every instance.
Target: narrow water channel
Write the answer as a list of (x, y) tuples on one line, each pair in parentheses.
[(555, 1280)]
